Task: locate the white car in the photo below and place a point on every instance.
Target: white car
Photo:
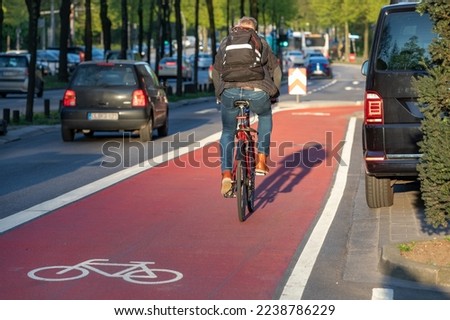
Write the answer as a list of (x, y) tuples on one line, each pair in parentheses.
[(168, 68), (294, 58)]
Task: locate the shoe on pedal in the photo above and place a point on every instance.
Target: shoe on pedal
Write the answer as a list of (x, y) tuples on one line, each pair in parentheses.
[(261, 168), (227, 184)]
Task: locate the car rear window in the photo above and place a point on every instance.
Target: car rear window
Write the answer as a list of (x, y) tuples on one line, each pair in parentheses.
[(13, 62), (404, 42), (104, 75)]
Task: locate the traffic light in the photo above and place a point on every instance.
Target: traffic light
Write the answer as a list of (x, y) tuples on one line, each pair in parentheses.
[(283, 40)]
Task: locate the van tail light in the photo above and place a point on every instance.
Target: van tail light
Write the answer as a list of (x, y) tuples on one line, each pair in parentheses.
[(70, 99), (373, 108), (139, 99)]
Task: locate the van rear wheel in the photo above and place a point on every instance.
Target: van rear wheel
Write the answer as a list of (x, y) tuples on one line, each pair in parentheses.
[(379, 192)]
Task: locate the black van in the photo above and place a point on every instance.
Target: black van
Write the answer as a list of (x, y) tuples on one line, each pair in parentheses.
[(391, 127)]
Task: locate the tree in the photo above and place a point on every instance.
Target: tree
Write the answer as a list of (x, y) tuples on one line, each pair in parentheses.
[(1, 25), (34, 8), (179, 48), (106, 25), (64, 14), (124, 29), (434, 96), (88, 31), (212, 26)]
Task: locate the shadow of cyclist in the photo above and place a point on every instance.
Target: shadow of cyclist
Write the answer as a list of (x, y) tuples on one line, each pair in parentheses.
[(290, 171)]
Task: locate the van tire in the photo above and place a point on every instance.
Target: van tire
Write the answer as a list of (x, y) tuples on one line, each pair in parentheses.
[(379, 192)]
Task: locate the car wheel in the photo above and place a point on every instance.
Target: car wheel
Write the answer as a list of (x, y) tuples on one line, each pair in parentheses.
[(89, 133), (146, 132), (379, 192), (163, 131), (67, 134)]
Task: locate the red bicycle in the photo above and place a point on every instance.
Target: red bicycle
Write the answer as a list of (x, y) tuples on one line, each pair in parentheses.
[(243, 173)]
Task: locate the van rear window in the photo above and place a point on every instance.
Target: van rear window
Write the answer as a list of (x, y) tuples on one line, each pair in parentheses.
[(404, 42)]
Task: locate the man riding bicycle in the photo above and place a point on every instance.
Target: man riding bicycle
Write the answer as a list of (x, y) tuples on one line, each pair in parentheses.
[(259, 93)]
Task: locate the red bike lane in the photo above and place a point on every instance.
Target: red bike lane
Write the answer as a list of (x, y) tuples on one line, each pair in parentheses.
[(174, 216)]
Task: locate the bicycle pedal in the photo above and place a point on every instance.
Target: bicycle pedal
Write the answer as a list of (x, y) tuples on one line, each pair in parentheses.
[(230, 194)]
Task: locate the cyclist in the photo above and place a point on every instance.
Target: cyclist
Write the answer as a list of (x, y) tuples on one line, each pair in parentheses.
[(259, 93)]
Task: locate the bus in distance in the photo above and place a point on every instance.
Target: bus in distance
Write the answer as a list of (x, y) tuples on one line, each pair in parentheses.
[(309, 42)]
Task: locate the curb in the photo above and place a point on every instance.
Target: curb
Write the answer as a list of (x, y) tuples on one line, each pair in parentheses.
[(393, 264), (17, 133)]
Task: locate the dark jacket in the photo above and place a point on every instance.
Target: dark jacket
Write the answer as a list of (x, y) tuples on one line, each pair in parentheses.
[(271, 82)]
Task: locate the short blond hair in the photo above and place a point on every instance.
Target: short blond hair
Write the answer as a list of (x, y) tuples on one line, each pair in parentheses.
[(248, 22)]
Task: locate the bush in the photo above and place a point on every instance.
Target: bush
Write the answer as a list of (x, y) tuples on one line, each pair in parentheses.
[(434, 96)]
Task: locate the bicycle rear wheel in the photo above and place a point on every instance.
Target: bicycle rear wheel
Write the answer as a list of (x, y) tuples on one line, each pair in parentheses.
[(250, 182), (241, 190)]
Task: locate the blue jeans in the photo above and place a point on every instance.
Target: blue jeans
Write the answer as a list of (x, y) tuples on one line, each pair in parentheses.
[(259, 104)]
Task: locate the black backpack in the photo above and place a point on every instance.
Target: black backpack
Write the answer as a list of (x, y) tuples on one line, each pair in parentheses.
[(242, 58)]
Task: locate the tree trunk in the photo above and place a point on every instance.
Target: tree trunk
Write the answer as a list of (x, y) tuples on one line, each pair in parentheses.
[(212, 27), (34, 8), (64, 14), (124, 30), (88, 32), (141, 27), (1, 25), (106, 25), (178, 32)]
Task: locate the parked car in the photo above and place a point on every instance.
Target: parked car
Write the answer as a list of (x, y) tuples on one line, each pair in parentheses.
[(317, 66), (168, 68), (114, 95), (14, 74), (204, 60), (391, 127)]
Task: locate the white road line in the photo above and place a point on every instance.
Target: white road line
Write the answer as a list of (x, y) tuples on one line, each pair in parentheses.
[(382, 294), (296, 283), (40, 209)]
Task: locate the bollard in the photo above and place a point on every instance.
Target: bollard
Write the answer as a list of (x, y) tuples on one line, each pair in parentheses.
[(6, 115), (16, 116), (47, 108)]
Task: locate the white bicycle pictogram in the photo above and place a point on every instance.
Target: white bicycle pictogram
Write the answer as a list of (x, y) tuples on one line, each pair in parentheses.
[(134, 271)]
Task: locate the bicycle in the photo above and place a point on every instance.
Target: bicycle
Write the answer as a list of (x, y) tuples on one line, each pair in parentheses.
[(243, 173), (135, 272)]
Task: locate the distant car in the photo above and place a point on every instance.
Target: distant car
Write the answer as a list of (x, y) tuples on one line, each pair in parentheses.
[(204, 60), (294, 58), (318, 67), (114, 95), (314, 54), (168, 68), (14, 74)]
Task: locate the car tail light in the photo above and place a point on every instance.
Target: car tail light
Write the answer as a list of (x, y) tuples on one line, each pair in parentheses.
[(139, 98), (373, 108), (70, 98)]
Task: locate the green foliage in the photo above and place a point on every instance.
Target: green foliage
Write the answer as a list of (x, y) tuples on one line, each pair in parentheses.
[(434, 96), (406, 247)]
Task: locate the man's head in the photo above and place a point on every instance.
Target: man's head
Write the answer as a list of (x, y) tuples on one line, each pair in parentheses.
[(248, 22)]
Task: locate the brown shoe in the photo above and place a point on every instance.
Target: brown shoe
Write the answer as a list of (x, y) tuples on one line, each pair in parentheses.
[(226, 183), (261, 167)]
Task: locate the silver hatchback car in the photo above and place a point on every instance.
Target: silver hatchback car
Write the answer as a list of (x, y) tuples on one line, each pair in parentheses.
[(14, 74)]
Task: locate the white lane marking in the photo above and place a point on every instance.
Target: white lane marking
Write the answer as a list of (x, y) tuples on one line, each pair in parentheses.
[(205, 111), (382, 294), (296, 283), (311, 113), (40, 209)]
